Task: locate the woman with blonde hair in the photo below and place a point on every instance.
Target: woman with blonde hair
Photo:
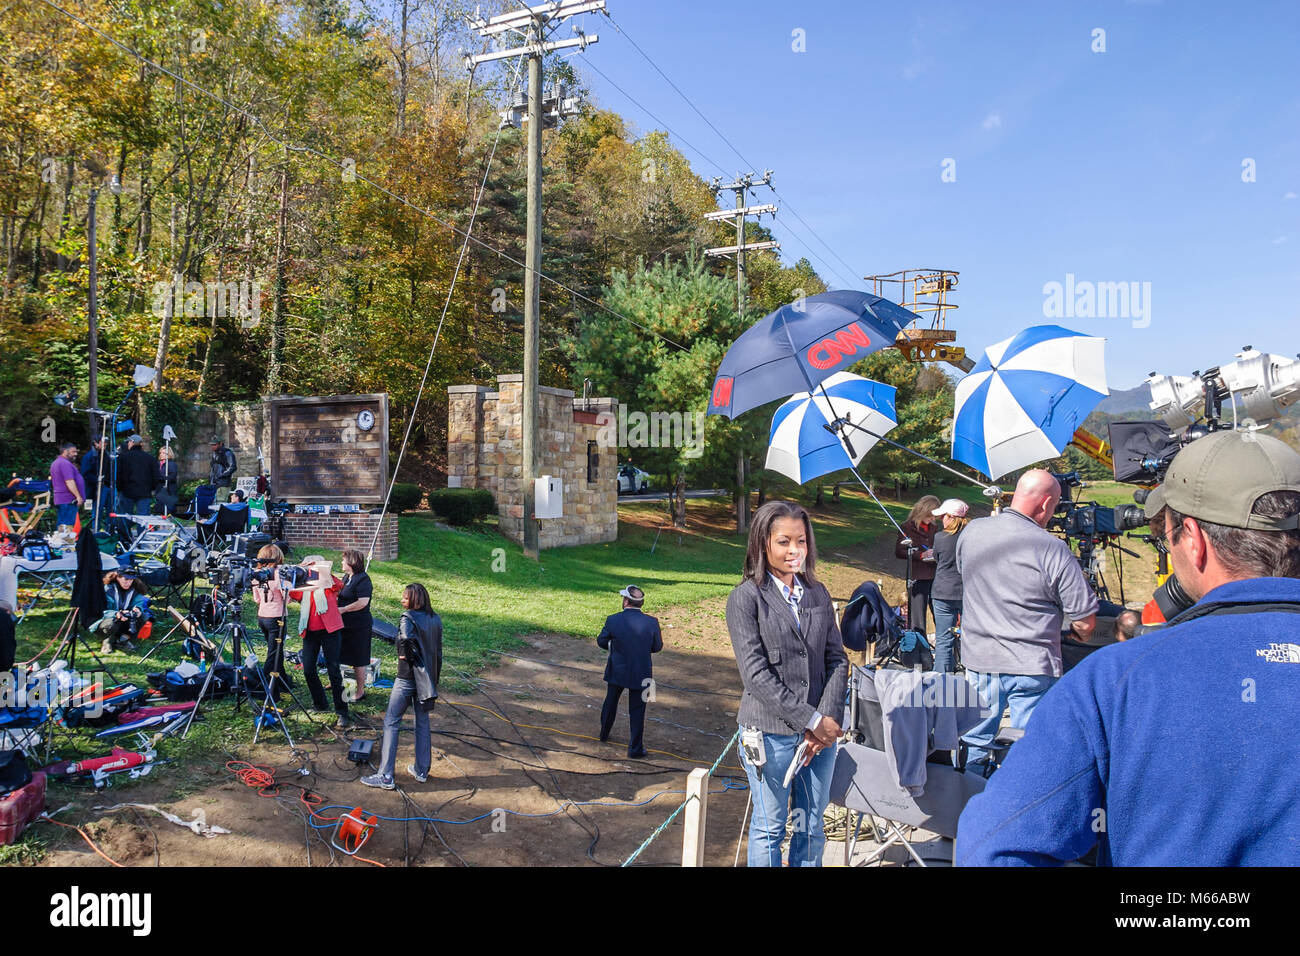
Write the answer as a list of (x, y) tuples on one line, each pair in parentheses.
[(946, 593), (920, 528), (270, 599)]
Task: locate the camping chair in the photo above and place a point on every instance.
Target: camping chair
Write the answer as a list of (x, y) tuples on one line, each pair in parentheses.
[(864, 781), (168, 555), (230, 519), (19, 517)]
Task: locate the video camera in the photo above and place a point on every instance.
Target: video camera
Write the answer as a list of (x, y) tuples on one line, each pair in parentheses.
[(1087, 519), (233, 573)]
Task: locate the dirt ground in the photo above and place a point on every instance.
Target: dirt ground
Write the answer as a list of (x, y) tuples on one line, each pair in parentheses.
[(552, 690), (574, 799)]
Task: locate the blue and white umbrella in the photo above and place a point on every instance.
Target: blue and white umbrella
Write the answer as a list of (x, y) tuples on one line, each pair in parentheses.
[(802, 448), (1024, 399)]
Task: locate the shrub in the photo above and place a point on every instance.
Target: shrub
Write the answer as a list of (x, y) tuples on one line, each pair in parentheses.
[(404, 497), (461, 506)]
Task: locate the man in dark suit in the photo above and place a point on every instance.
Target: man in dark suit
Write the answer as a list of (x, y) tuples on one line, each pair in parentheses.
[(630, 637), (134, 478)]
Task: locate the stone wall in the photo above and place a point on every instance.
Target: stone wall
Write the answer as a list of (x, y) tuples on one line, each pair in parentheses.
[(485, 450), (243, 426), (339, 532)]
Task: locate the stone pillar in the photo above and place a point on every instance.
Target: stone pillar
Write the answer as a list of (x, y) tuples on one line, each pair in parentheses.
[(465, 435)]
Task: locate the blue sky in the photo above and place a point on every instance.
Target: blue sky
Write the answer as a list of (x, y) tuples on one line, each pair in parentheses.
[(1116, 166)]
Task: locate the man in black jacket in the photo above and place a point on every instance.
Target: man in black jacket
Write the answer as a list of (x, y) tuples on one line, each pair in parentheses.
[(134, 478), (630, 637), (223, 465)]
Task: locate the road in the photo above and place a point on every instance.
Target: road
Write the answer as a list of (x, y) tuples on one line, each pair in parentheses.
[(661, 495)]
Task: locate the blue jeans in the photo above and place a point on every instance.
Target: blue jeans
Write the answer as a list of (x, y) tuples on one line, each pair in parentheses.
[(1022, 692), (403, 696), (67, 513), (945, 638), (811, 784), (132, 506)]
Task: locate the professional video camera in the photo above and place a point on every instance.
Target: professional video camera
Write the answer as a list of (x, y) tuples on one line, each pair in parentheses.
[(232, 573), (229, 572), (1078, 519), (1091, 529)]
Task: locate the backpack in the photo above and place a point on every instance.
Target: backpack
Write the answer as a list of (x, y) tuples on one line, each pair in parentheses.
[(14, 772)]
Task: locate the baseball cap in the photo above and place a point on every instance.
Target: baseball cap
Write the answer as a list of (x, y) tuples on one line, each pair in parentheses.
[(1219, 478), (216, 440), (633, 593), (952, 506), (135, 440)]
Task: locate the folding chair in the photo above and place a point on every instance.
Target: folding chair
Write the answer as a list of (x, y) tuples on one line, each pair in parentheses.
[(215, 533), (865, 781), (19, 517)]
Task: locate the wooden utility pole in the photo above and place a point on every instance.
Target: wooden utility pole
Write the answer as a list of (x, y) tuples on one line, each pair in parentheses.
[(535, 23), (741, 184)]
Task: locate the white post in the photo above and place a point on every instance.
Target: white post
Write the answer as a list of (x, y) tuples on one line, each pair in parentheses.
[(697, 808)]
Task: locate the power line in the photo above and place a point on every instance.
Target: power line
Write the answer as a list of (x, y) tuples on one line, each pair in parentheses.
[(460, 260), (645, 109), (830, 269), (721, 136), (284, 144)]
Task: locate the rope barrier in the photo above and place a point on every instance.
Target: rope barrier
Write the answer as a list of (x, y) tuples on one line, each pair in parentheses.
[(673, 816)]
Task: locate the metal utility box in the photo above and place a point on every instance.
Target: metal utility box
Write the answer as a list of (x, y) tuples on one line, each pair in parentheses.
[(549, 497)]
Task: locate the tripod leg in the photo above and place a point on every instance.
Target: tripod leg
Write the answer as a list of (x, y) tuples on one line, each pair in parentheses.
[(165, 639), (207, 682)]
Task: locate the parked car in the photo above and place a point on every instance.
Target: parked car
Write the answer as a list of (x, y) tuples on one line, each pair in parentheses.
[(632, 480)]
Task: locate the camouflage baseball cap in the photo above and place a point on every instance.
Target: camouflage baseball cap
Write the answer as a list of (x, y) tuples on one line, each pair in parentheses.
[(1219, 478)]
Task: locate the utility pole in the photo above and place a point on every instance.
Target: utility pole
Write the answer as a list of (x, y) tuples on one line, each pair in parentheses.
[(534, 23), (92, 303), (740, 186)]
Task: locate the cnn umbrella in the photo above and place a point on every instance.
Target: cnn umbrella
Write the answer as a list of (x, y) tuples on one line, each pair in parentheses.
[(802, 344), (1023, 400), (805, 442)]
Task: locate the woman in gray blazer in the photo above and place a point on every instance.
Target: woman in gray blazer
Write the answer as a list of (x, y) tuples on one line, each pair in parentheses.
[(792, 664)]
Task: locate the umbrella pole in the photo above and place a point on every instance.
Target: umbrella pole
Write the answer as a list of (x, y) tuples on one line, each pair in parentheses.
[(847, 444), (990, 490), (877, 501)]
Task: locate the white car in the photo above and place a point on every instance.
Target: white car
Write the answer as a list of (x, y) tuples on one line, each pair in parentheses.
[(632, 480)]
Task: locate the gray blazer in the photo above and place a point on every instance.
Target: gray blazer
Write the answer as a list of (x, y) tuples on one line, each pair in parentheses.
[(788, 673)]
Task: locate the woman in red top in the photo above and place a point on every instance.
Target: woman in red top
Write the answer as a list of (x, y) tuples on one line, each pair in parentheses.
[(321, 628)]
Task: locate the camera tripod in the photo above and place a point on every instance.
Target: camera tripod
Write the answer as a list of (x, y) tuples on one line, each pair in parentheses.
[(230, 607), (273, 677), (1090, 549)]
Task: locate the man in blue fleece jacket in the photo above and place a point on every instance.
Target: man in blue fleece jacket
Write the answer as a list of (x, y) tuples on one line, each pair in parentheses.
[(1177, 748)]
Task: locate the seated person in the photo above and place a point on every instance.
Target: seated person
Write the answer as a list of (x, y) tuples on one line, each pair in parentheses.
[(128, 611)]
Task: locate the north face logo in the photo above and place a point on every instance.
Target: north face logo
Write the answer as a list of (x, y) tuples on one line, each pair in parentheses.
[(1280, 653)]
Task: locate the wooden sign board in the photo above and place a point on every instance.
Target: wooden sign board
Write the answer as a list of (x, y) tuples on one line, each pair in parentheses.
[(330, 449)]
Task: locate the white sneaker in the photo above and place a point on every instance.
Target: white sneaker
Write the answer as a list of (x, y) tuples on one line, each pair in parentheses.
[(419, 777)]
